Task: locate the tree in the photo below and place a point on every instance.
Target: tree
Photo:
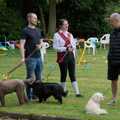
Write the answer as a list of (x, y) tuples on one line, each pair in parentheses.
[(113, 6), (87, 17), (10, 21), (41, 5), (52, 16)]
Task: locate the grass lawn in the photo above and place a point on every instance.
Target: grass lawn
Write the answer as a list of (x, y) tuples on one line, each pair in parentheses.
[(91, 78)]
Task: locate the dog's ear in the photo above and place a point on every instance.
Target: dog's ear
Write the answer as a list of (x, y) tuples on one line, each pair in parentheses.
[(102, 97), (95, 98), (99, 98)]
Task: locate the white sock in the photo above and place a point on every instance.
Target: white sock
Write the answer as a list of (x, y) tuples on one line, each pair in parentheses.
[(75, 87), (63, 84)]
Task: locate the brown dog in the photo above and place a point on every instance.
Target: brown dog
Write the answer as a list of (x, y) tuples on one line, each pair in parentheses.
[(9, 86)]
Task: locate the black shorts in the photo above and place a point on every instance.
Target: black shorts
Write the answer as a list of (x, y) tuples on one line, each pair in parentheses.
[(113, 71)]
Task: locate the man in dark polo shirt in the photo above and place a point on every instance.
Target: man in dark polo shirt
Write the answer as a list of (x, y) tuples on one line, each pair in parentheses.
[(114, 55), (31, 41)]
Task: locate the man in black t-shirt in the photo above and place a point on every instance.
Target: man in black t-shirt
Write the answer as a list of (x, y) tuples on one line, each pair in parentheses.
[(114, 56), (30, 48)]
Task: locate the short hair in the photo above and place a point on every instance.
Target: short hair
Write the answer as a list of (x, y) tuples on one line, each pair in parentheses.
[(30, 14), (115, 16)]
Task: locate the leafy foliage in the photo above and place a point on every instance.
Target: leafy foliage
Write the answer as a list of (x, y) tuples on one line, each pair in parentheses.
[(87, 17), (113, 6), (10, 22)]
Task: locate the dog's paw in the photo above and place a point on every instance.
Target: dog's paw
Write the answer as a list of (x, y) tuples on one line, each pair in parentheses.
[(104, 111)]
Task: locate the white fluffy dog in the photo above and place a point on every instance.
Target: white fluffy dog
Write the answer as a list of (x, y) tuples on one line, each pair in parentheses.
[(93, 105)]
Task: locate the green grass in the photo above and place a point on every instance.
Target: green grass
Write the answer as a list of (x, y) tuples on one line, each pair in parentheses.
[(91, 78)]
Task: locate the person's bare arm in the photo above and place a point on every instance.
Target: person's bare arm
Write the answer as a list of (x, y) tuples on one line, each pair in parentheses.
[(22, 49)]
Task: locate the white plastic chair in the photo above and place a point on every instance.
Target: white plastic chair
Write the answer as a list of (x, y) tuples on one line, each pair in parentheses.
[(45, 45), (9, 44), (91, 43), (104, 40)]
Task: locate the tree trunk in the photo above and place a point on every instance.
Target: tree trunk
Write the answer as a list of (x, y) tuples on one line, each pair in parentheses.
[(52, 17), (42, 20)]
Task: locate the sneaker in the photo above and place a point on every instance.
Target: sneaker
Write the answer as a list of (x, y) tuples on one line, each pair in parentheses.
[(112, 102), (79, 95)]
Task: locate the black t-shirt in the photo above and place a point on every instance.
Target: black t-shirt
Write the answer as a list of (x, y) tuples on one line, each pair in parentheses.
[(114, 46), (32, 37)]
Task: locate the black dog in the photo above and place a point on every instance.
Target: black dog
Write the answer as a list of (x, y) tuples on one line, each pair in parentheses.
[(44, 90)]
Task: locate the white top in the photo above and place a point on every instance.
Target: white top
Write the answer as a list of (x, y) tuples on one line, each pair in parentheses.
[(59, 43)]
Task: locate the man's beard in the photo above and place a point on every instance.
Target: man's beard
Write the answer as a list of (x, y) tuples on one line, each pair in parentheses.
[(34, 23)]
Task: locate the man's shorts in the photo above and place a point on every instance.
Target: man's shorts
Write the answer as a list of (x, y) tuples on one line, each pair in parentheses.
[(113, 71)]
